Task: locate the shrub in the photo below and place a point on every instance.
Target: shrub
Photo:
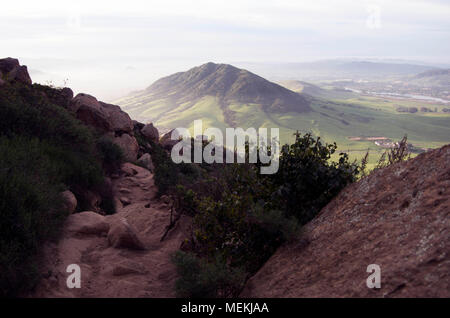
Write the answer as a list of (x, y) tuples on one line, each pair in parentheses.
[(200, 278), (398, 153), (243, 217), (306, 180), (169, 174), (30, 210), (111, 154), (43, 150)]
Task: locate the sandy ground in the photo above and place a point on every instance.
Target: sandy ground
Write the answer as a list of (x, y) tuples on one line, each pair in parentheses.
[(116, 272)]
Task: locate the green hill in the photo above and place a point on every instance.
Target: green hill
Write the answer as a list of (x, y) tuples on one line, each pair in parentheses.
[(225, 96), (226, 84)]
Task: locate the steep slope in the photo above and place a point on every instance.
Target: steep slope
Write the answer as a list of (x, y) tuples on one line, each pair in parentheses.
[(397, 217)]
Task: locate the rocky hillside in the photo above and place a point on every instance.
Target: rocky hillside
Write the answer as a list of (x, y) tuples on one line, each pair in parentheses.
[(398, 218), (58, 156)]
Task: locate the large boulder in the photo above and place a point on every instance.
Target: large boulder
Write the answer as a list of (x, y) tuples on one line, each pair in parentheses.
[(119, 120), (102, 116), (150, 132), (88, 222), (69, 201), (90, 112), (129, 146), (122, 235), (12, 71), (146, 161)]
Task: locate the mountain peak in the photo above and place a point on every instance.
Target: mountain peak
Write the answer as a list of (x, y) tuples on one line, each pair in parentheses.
[(229, 84)]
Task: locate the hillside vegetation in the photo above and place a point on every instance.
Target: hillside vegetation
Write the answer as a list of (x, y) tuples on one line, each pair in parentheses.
[(44, 151)]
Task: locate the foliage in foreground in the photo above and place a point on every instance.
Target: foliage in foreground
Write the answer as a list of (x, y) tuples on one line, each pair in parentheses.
[(241, 217), (43, 150), (199, 278)]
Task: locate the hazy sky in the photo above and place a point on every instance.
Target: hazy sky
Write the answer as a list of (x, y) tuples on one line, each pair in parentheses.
[(110, 47)]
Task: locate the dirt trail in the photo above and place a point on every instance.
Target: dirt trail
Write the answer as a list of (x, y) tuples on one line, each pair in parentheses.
[(117, 272)]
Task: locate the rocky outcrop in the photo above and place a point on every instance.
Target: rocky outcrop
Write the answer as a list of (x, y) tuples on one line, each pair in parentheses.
[(397, 218), (129, 146), (102, 116), (11, 70), (108, 119), (150, 132)]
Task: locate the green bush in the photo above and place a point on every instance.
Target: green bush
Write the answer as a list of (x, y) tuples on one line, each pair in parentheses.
[(43, 150), (111, 154), (168, 174), (200, 278), (400, 152), (242, 217), (30, 210), (306, 180)]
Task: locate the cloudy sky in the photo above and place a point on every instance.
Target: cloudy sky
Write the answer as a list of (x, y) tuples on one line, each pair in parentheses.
[(110, 47)]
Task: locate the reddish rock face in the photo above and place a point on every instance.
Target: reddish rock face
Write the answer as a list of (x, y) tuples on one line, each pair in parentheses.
[(11, 70), (150, 132), (397, 217), (102, 116), (129, 146)]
